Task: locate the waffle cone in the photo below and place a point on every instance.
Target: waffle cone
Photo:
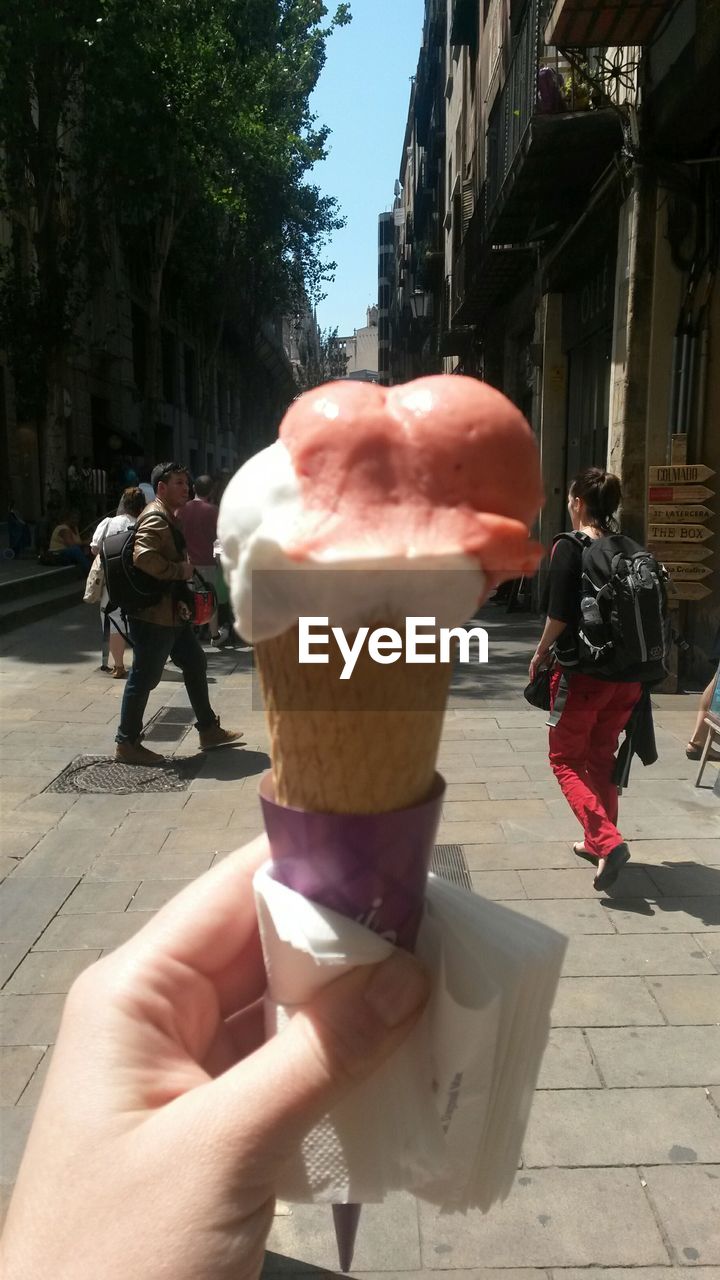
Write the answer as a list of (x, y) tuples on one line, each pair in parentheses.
[(368, 744)]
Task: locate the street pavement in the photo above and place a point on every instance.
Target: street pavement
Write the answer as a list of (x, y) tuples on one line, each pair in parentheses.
[(621, 1162)]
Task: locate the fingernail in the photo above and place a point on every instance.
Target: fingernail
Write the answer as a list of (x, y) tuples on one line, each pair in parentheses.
[(397, 989)]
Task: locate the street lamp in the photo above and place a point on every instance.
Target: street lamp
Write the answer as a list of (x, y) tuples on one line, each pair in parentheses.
[(421, 305)]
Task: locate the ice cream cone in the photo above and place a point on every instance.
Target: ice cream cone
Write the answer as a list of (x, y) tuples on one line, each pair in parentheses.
[(367, 744), (354, 802)]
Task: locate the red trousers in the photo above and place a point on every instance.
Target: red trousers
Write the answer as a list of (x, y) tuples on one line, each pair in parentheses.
[(582, 753)]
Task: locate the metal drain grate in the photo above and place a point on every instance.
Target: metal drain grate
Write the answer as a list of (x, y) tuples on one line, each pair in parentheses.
[(169, 724), (448, 861), (106, 776)]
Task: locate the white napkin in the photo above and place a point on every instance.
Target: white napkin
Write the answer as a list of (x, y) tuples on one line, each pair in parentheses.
[(445, 1117)]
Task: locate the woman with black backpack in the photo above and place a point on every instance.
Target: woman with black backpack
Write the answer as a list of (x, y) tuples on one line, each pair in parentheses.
[(578, 637)]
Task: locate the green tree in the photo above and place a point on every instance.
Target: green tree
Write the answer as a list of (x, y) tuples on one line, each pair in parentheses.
[(53, 240), (321, 360), (185, 124)]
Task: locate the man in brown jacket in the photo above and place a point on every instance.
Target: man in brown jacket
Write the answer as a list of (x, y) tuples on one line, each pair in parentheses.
[(164, 630)]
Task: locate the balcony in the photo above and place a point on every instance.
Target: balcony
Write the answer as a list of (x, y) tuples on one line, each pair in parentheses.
[(584, 24), (485, 275), (549, 138)]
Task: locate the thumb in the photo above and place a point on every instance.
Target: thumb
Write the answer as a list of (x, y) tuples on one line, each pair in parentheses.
[(275, 1096)]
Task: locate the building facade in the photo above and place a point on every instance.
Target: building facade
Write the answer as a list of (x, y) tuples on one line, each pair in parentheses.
[(361, 349), (560, 162)]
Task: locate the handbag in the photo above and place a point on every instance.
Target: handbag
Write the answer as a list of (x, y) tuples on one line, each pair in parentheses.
[(537, 692), (95, 583)]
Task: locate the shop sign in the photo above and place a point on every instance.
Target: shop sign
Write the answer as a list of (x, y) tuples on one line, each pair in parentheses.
[(680, 493), (693, 473), (679, 513), (664, 551), (679, 533), (688, 591), (682, 572)]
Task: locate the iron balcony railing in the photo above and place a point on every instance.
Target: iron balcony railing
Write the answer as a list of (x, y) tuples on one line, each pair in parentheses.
[(540, 80)]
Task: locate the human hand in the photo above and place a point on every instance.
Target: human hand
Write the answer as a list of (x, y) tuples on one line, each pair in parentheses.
[(186, 571), (165, 1120), (539, 660)]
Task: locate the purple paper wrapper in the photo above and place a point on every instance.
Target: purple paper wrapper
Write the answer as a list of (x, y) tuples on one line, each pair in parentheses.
[(370, 867)]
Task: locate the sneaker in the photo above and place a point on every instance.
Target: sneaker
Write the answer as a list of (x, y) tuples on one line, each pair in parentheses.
[(215, 737), (136, 753), (220, 640)]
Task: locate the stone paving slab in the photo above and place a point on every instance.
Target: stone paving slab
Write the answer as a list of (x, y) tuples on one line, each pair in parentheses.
[(159, 866), (88, 899), (153, 894), (632, 882), (14, 1128), (568, 1062), (635, 955), (17, 1065), (609, 1002), (388, 1238), (581, 1127), (572, 916), (665, 915), (30, 1020), (657, 1055), (551, 1219), (688, 1001), (50, 972), (101, 929), (688, 1203), (26, 908)]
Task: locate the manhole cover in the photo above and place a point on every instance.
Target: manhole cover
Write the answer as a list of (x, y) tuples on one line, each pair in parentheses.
[(105, 775), (448, 861)]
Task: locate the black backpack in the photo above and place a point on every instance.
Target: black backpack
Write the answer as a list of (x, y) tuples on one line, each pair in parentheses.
[(130, 589), (623, 630)]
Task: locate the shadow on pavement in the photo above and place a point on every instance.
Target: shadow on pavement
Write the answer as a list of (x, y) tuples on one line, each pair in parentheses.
[(689, 887), (234, 763), (276, 1264)]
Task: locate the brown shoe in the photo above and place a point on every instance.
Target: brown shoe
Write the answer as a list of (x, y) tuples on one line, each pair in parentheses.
[(136, 753), (214, 737), (119, 673)]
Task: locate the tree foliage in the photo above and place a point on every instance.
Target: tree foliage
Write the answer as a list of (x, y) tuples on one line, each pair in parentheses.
[(322, 360), (182, 126)]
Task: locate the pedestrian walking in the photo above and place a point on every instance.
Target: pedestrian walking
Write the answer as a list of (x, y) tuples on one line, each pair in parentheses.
[(113, 623), (198, 521), (163, 630), (586, 726)]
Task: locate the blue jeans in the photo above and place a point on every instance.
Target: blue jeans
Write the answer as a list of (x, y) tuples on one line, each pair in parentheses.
[(74, 555), (152, 646)]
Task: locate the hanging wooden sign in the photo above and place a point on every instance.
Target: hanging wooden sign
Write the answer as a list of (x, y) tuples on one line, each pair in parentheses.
[(679, 513), (688, 590), (679, 533), (664, 551), (681, 572), (693, 473), (680, 493)]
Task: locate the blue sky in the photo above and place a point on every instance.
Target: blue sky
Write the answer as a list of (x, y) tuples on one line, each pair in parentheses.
[(363, 95)]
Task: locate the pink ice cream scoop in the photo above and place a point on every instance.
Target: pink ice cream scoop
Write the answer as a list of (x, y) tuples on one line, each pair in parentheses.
[(444, 464), (438, 473)]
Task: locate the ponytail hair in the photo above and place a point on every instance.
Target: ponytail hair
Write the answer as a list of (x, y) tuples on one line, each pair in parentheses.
[(600, 491)]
